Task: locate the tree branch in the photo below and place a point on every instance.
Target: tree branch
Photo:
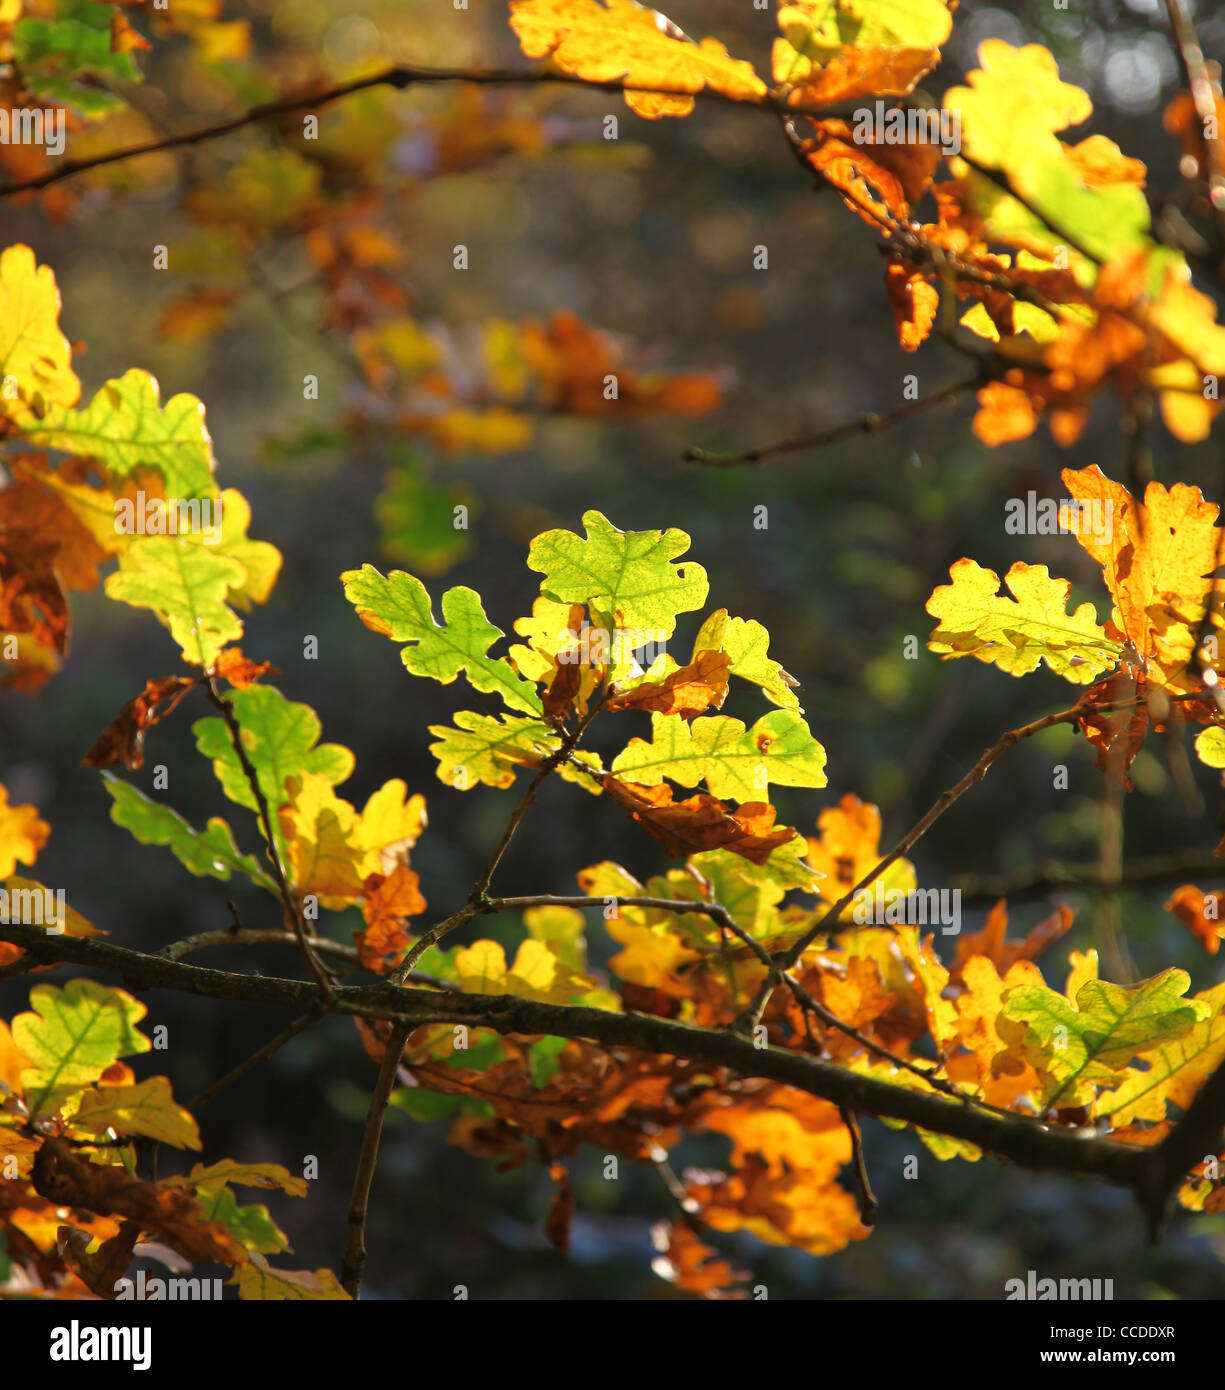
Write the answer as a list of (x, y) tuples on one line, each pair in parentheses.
[(477, 899), (1151, 1173), (1051, 873), (867, 423), (400, 77), (354, 1263)]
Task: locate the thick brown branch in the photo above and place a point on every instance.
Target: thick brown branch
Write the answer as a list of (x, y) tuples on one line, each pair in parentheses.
[(1018, 1138)]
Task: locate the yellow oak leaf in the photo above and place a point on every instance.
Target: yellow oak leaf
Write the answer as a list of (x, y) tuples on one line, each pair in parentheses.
[(146, 1107), (603, 42)]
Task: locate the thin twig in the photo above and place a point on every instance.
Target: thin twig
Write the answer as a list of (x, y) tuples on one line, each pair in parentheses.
[(1050, 874), (787, 960), (1149, 1172), (868, 423), (293, 917), (868, 1204), (401, 77), (249, 1063), (354, 1263), (478, 897)]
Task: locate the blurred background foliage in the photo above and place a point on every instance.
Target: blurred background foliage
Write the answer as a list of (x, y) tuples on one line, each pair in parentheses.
[(650, 237)]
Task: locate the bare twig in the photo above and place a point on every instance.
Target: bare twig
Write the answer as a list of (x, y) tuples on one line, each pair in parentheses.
[(788, 958), (250, 1063), (1050, 874), (401, 77), (867, 1201), (477, 899), (354, 1263), (868, 423)]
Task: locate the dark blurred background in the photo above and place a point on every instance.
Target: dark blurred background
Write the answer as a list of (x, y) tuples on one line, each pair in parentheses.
[(653, 240)]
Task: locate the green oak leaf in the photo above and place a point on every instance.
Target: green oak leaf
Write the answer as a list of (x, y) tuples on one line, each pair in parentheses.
[(185, 585), (628, 576), (252, 1225), (1075, 1046), (734, 761), (125, 427), (398, 606), (72, 1036), (747, 643), (211, 851), (281, 738), (483, 748), (1174, 1072), (70, 61)]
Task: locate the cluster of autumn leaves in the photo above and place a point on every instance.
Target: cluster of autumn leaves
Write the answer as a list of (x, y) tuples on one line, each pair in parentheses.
[(699, 785), (1049, 243), (1126, 1058)]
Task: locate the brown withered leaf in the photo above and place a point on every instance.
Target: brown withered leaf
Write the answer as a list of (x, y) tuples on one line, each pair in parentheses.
[(559, 698), (688, 691), (123, 739), (700, 822), (172, 1214), (104, 1268)]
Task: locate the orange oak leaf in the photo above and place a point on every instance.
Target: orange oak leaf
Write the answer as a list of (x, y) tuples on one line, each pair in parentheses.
[(241, 671), (387, 904), (873, 70), (990, 941), (685, 1260), (1157, 557), (846, 849), (1202, 914), (23, 833), (782, 1208), (914, 303), (876, 179)]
